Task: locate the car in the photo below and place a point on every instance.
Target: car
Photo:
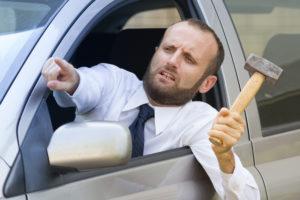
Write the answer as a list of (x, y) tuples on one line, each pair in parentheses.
[(87, 32)]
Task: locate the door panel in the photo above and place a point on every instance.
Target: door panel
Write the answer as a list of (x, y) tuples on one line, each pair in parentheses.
[(282, 178), (178, 178), (278, 159)]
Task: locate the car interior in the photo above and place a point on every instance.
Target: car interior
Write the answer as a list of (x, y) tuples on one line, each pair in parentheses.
[(130, 49)]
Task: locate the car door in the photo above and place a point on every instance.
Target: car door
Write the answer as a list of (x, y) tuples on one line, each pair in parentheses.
[(174, 174), (150, 177), (271, 30)]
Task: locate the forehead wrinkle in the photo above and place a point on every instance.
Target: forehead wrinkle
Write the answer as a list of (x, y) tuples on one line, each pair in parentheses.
[(170, 41), (185, 49), (172, 36)]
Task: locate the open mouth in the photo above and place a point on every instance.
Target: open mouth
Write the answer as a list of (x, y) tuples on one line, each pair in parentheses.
[(167, 76)]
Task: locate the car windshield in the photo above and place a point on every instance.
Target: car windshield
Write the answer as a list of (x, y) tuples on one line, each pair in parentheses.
[(21, 24)]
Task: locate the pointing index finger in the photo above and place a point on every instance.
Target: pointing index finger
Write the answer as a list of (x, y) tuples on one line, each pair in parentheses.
[(64, 65)]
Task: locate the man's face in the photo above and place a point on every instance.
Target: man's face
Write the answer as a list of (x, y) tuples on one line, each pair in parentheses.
[(176, 70)]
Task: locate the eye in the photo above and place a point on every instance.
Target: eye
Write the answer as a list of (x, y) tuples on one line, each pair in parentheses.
[(189, 59), (168, 48)]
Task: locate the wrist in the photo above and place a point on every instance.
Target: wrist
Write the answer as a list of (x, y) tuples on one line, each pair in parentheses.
[(226, 161), (75, 84), (224, 155)]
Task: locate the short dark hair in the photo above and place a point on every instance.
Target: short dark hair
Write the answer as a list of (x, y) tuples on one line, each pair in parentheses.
[(218, 60)]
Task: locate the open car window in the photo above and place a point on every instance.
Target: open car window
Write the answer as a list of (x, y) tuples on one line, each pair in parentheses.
[(114, 40)]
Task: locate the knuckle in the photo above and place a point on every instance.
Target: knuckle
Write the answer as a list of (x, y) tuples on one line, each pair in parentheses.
[(217, 126), (236, 115), (231, 120)]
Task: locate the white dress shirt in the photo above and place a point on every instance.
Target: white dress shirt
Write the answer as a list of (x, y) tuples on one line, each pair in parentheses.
[(106, 92)]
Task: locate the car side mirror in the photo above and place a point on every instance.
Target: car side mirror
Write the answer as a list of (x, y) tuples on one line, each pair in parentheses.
[(87, 145)]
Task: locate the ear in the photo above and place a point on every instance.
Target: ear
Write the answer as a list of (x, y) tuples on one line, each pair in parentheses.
[(207, 84)]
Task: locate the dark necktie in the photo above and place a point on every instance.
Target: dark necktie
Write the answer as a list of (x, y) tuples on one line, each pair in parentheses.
[(137, 129)]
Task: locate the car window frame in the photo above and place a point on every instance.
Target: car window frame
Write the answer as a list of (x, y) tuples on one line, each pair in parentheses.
[(66, 47), (39, 93)]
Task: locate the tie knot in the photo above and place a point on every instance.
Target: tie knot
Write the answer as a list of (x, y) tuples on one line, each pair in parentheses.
[(146, 112)]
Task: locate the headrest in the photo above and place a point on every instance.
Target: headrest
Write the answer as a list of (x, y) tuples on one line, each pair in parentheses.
[(134, 48), (283, 49)]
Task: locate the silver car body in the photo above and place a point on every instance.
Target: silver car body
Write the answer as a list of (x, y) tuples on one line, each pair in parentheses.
[(272, 160)]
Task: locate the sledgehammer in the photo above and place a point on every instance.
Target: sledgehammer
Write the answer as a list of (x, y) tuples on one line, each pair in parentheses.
[(261, 70)]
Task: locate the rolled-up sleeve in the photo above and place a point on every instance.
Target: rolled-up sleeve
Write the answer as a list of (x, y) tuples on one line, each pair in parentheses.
[(239, 185)]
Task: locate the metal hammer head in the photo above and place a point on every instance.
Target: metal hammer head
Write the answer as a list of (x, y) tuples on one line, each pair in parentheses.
[(255, 63)]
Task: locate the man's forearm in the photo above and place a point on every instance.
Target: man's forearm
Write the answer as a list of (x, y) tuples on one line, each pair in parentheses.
[(226, 162)]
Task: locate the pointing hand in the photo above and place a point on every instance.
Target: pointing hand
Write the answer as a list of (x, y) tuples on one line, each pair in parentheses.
[(60, 75)]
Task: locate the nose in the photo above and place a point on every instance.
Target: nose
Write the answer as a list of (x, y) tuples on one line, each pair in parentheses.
[(174, 59)]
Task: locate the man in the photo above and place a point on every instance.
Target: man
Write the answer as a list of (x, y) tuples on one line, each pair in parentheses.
[(184, 63)]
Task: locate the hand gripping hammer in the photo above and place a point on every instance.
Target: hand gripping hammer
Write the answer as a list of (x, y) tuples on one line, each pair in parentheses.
[(261, 70)]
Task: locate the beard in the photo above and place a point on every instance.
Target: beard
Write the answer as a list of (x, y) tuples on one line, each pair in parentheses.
[(169, 95)]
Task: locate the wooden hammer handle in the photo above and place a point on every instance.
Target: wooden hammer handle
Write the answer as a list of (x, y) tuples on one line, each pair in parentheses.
[(248, 92), (246, 95)]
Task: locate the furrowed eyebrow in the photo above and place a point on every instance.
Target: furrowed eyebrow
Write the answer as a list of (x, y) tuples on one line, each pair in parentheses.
[(169, 45), (190, 56)]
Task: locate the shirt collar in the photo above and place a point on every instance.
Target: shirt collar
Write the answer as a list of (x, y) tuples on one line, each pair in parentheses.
[(138, 98), (163, 115)]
